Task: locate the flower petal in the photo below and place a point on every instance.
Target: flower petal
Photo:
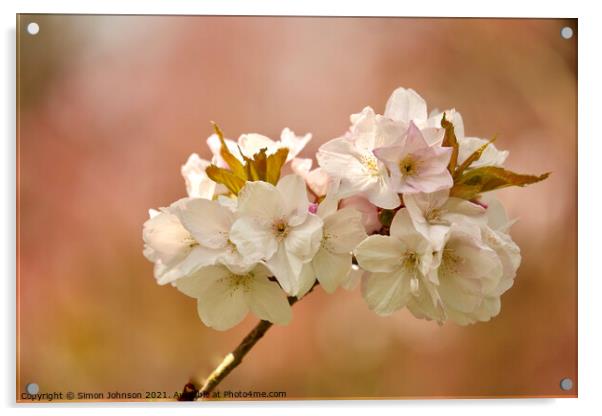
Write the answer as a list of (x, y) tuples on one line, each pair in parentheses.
[(286, 268), (268, 301), (252, 143), (198, 184), (386, 292), (369, 212), (304, 240), (196, 284), (354, 277), (301, 166), (262, 200), (215, 145), (380, 253), (294, 196), (307, 279), (253, 238), (293, 143), (405, 105), (382, 194), (220, 302), (402, 227), (208, 221), (165, 238), (197, 258), (331, 269), (340, 159), (344, 230)]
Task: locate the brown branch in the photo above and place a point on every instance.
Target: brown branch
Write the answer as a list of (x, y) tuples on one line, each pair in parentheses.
[(191, 392)]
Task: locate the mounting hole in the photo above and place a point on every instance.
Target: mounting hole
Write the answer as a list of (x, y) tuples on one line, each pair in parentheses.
[(566, 384), (33, 28), (566, 32), (32, 388)]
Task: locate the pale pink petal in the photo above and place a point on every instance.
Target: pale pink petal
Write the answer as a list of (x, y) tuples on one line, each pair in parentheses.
[(369, 212), (293, 143), (429, 183), (318, 181), (301, 166), (382, 194), (343, 230), (405, 105)]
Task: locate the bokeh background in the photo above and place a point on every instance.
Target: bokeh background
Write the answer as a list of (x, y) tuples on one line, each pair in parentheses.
[(109, 107)]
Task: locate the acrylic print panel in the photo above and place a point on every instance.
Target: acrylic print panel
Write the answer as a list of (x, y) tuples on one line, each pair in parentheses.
[(456, 299)]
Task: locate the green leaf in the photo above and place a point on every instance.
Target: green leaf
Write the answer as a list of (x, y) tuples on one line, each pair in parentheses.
[(474, 156), (225, 177), (274, 165), (489, 178), (236, 166), (450, 140)]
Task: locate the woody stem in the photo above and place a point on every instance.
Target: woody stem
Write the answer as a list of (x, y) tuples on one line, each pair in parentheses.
[(191, 392)]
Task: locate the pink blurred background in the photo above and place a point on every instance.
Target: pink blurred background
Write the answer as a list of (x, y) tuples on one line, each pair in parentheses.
[(110, 107)]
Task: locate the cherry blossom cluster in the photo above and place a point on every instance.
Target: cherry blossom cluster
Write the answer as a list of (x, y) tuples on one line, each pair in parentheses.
[(401, 201)]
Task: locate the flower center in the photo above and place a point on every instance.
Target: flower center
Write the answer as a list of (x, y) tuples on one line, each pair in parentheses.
[(230, 246), (190, 241), (240, 281), (280, 229), (408, 166), (433, 216), (450, 262), (409, 260), (370, 163)]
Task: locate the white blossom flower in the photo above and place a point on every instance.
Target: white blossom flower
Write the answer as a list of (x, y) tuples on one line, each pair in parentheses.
[(400, 266), (275, 225), (173, 249), (434, 213), (210, 222), (475, 267), (468, 271), (415, 165), (224, 298), (342, 232), (352, 159)]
